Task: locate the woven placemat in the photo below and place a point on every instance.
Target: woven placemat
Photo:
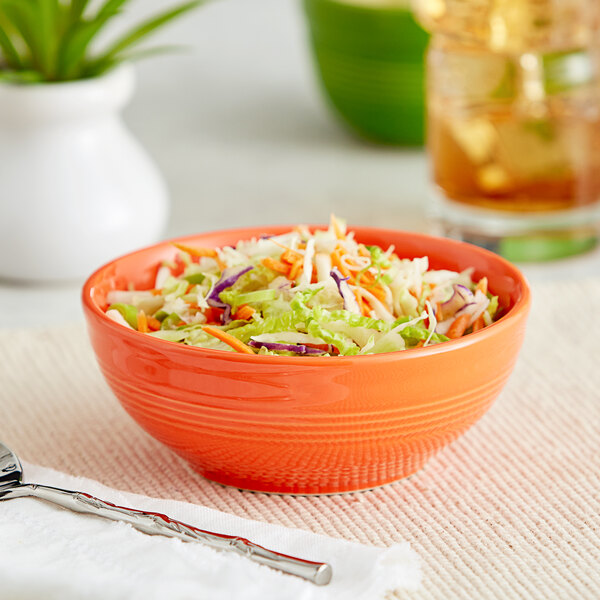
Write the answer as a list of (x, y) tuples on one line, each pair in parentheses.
[(511, 510)]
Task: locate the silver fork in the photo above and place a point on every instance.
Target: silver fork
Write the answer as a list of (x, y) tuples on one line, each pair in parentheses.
[(12, 486)]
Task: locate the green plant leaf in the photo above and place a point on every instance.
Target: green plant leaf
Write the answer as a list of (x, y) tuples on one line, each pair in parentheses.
[(22, 16), (77, 9), (72, 53), (74, 47), (110, 8), (49, 40), (11, 56), (106, 65), (47, 25), (142, 31), (21, 77), (35, 22)]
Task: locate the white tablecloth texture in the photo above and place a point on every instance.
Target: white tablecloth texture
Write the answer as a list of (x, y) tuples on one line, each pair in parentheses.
[(510, 510)]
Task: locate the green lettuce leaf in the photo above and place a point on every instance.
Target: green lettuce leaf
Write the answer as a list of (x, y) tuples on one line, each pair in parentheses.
[(128, 312)]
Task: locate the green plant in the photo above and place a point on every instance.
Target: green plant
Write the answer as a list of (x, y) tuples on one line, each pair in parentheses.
[(50, 40)]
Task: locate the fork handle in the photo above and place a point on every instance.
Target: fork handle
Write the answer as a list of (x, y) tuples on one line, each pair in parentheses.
[(159, 524)]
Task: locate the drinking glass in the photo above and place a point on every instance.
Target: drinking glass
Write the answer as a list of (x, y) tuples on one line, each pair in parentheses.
[(513, 118)]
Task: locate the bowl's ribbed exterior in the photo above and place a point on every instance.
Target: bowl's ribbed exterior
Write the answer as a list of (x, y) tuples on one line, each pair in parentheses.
[(315, 429), (306, 425)]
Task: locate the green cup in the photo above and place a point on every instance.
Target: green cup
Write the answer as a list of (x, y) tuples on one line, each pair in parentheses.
[(371, 64)]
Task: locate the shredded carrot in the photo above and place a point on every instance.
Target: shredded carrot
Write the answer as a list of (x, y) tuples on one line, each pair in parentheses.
[(228, 339), (153, 324), (339, 234), (276, 265), (379, 293), (359, 300), (362, 250), (244, 312), (295, 270), (201, 252), (350, 263), (365, 306), (365, 279), (438, 311), (198, 252), (221, 264), (286, 258), (156, 292), (419, 344), (142, 322), (482, 286), (458, 327), (336, 262), (479, 323), (288, 255)]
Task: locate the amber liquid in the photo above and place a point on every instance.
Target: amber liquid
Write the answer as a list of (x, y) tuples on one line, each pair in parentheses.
[(512, 133), (515, 26), (516, 165)]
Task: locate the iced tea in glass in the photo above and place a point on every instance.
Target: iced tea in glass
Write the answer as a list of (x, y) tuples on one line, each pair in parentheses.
[(514, 122)]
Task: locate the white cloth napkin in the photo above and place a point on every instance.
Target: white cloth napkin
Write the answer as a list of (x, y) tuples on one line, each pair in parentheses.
[(51, 553)]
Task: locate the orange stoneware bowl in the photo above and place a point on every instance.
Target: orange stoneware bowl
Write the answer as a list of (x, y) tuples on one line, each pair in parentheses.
[(308, 425)]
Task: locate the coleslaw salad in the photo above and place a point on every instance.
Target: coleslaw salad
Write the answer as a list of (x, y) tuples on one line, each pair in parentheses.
[(305, 293)]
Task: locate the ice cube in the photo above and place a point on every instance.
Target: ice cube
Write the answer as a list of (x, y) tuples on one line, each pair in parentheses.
[(470, 76), (434, 9), (477, 137), (493, 178), (532, 149)]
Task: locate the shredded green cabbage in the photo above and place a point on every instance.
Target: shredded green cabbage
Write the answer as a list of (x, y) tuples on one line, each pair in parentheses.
[(278, 295)]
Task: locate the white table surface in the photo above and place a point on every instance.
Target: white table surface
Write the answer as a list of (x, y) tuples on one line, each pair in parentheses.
[(243, 136)]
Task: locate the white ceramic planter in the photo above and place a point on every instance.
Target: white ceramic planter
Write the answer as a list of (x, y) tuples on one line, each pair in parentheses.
[(76, 189)]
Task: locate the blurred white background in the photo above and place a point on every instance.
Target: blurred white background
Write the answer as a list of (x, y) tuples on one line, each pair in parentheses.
[(243, 135), (237, 124)]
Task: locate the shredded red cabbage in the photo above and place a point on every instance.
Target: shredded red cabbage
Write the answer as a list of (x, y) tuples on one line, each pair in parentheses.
[(228, 278), (465, 309), (461, 296), (343, 287), (297, 348)]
